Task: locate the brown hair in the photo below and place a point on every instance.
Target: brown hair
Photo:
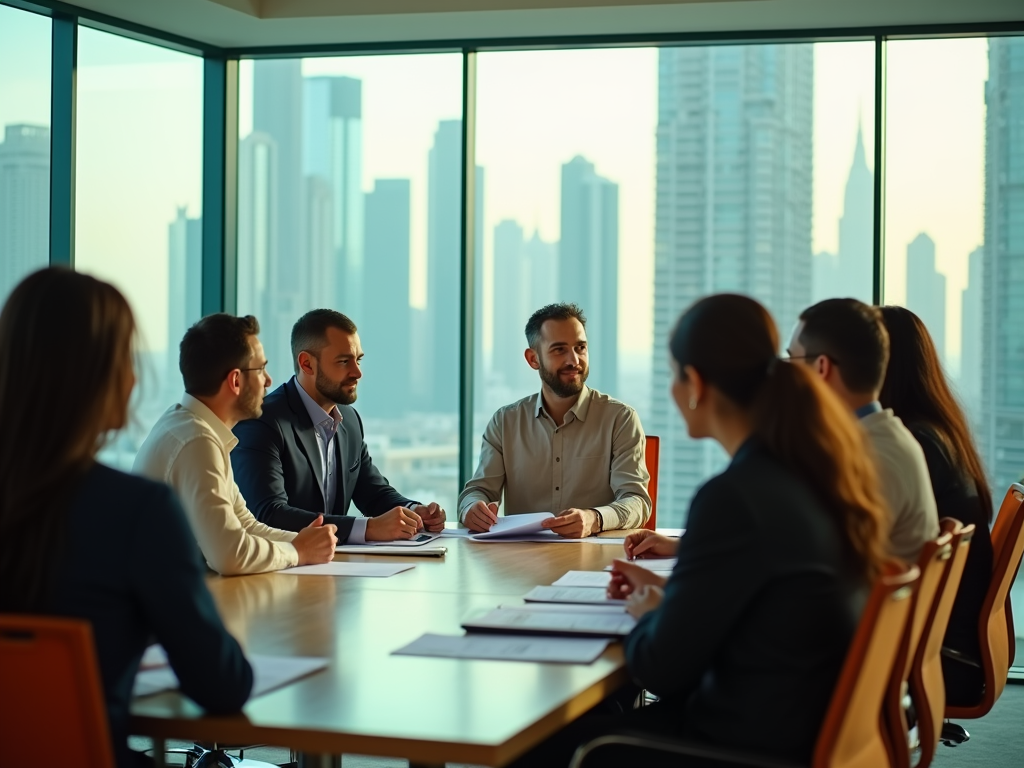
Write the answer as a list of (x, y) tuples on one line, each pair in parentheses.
[(852, 335), (731, 341), (561, 311), (309, 334), (91, 324), (213, 348), (917, 391)]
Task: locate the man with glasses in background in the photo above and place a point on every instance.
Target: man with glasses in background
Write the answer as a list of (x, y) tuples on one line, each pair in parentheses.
[(845, 342), (225, 374), (306, 455)]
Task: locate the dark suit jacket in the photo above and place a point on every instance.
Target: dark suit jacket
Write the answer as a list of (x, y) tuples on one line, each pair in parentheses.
[(757, 616), (131, 567), (277, 467)]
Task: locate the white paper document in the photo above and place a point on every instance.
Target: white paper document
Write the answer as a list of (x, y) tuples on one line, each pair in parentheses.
[(362, 549), (378, 570), (662, 565), (268, 672), (586, 595), (421, 538), (525, 619), (599, 579), (565, 650), (518, 525)]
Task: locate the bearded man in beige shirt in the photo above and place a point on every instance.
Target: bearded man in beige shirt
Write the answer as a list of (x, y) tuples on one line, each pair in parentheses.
[(225, 373), (569, 450)]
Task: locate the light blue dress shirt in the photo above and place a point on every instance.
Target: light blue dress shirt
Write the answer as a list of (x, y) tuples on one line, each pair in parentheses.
[(325, 425)]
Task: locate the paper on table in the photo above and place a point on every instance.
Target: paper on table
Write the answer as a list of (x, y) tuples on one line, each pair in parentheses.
[(565, 650), (517, 525), (379, 570), (616, 609), (268, 673), (660, 564), (598, 579), (570, 595), (362, 549), (421, 538), (523, 619)]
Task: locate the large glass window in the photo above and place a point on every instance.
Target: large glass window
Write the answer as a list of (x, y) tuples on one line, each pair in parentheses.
[(350, 184), (138, 203), (954, 241), (24, 145), (634, 181)]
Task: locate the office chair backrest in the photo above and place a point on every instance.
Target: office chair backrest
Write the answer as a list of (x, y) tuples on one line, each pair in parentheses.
[(852, 735), (652, 453), (54, 697), (995, 629), (933, 563), (927, 685)]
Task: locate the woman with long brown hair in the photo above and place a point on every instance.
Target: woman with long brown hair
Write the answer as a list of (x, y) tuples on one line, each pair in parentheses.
[(82, 540), (744, 642), (918, 393)]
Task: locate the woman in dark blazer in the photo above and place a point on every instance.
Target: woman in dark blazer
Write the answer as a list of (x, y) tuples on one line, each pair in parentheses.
[(917, 391), (79, 539), (744, 641)]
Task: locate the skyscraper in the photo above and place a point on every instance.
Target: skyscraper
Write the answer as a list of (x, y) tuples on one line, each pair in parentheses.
[(511, 308), (732, 213), (971, 339), (184, 288), (1002, 350), (385, 327), (332, 150), (856, 230), (589, 264), (444, 273), (926, 290), (24, 203)]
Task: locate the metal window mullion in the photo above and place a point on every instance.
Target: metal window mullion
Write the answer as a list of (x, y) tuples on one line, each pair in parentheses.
[(878, 250), (468, 297), (220, 184), (63, 108)]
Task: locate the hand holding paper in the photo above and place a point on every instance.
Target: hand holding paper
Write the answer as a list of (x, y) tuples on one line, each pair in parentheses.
[(515, 525), (628, 578)]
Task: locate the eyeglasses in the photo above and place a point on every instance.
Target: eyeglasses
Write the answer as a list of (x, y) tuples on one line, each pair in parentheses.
[(262, 368), (813, 356)]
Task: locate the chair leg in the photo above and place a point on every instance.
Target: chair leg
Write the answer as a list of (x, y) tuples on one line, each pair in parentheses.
[(953, 735)]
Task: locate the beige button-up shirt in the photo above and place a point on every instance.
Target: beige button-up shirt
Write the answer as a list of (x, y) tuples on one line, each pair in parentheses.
[(188, 449), (595, 460)]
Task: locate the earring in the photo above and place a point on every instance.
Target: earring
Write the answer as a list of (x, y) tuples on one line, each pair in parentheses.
[(693, 403)]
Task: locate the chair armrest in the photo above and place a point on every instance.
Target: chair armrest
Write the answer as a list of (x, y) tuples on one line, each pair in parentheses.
[(675, 747)]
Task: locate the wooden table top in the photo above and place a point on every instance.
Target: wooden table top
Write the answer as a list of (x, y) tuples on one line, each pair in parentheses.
[(370, 702)]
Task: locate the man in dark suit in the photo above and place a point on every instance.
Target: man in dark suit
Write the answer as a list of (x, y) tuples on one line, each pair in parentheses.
[(306, 456)]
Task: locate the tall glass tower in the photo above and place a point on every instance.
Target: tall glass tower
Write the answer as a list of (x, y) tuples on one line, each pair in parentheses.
[(24, 203)]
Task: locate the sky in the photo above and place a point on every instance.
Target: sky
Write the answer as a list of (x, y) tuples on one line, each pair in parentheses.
[(139, 146)]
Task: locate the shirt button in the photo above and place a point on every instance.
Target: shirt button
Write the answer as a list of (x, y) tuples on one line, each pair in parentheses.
[(557, 458), (556, 487)]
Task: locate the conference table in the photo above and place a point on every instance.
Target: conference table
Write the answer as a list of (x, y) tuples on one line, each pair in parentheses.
[(370, 702)]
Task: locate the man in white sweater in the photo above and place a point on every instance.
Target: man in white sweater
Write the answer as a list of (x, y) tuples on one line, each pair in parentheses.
[(225, 375), (845, 342)]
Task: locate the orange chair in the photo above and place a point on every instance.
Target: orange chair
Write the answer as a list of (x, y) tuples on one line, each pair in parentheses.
[(652, 453), (852, 735), (53, 689), (934, 561), (995, 627), (927, 687)]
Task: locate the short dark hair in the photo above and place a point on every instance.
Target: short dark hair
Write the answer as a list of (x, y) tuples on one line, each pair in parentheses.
[(214, 347), (852, 334), (309, 334), (561, 311)]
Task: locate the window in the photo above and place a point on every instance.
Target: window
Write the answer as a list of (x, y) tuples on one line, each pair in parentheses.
[(138, 198), (633, 181), (24, 145), (350, 173), (954, 239)]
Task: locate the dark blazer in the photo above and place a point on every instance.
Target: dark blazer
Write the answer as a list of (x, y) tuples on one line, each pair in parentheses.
[(277, 467), (131, 567), (757, 615)]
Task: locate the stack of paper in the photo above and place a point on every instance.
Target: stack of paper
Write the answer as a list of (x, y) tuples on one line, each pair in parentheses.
[(599, 579), (519, 528), (566, 620), (363, 549), (269, 672), (565, 650), (584, 595), (662, 565)]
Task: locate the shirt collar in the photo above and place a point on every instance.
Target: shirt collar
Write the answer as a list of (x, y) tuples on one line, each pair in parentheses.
[(329, 421), (201, 411), (866, 410), (579, 410)]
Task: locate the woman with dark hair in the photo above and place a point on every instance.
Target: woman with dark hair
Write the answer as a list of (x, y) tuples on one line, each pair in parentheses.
[(79, 539), (743, 643), (918, 393)]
